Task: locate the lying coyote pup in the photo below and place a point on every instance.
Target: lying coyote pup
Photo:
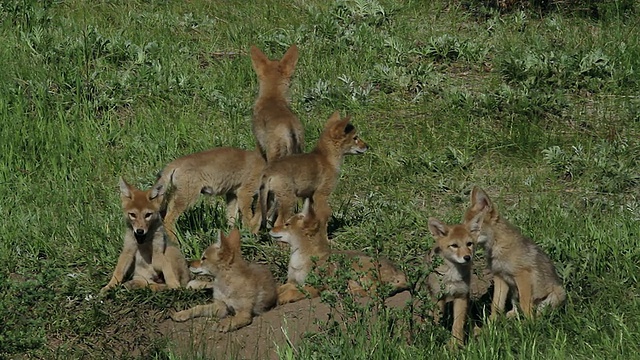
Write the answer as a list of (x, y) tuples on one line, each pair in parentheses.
[(228, 171), (451, 281), (307, 236), (517, 263), (277, 129), (240, 290), (147, 254), (313, 175)]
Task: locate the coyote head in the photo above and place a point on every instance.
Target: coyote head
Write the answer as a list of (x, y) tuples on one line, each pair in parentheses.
[(340, 136), (480, 202), (142, 208), (303, 228), (456, 243), (274, 74), (219, 256)]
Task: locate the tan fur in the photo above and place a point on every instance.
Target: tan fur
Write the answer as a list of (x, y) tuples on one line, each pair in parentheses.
[(307, 236), (517, 263), (241, 290), (312, 175), (451, 281), (147, 255), (277, 129), (232, 172)]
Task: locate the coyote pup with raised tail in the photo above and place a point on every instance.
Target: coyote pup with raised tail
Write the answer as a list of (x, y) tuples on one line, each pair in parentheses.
[(451, 281), (241, 290), (232, 172), (312, 175), (277, 129), (306, 234), (148, 257), (518, 265)]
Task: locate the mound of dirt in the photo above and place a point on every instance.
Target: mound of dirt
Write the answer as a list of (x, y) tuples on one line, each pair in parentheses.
[(260, 340)]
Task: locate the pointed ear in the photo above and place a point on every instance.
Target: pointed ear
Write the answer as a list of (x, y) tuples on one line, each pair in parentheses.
[(475, 224), (437, 228), (125, 189), (233, 240), (157, 190), (289, 61), (342, 127), (258, 58), (480, 200)]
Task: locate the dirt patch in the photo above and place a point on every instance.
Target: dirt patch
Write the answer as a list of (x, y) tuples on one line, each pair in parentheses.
[(285, 324)]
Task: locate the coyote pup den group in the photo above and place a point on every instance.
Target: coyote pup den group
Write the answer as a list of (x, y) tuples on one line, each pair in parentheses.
[(263, 186)]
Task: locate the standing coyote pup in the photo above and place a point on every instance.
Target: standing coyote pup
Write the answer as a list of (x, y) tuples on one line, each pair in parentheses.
[(240, 290), (277, 129), (306, 234), (312, 175), (228, 171), (147, 254), (517, 263), (451, 281)]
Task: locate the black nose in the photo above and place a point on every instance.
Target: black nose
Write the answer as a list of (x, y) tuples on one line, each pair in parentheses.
[(139, 231), (467, 257)]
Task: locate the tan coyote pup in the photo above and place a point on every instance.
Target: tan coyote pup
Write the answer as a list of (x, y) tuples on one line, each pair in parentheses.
[(306, 234), (312, 175), (241, 290), (516, 262), (232, 172), (451, 281), (147, 255), (277, 129)]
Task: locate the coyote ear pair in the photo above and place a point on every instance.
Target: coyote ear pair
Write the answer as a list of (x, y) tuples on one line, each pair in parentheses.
[(126, 190)]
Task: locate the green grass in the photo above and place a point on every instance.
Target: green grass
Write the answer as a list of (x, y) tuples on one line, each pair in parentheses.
[(540, 108)]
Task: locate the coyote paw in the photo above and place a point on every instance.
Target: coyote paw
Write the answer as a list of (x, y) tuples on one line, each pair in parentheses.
[(105, 289), (513, 313), (225, 325), (179, 316)]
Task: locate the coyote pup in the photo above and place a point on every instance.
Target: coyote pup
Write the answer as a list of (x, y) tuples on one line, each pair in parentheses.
[(228, 171), (240, 290), (306, 234), (312, 175), (517, 263), (451, 281), (147, 254), (277, 129)]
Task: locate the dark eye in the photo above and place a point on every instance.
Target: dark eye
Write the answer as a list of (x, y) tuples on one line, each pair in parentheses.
[(132, 215), (455, 246), (204, 258), (469, 244), (147, 215), (286, 224)]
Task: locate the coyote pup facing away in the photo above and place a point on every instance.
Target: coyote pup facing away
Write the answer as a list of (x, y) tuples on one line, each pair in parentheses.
[(277, 129), (240, 290), (312, 175), (147, 254), (306, 234), (517, 263), (228, 171), (451, 281)]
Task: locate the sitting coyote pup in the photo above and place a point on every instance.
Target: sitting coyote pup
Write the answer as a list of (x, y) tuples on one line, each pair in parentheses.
[(240, 290), (277, 129), (307, 236), (451, 281), (312, 175), (517, 263), (228, 171), (147, 254)]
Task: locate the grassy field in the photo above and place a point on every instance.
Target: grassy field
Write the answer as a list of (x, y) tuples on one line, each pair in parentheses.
[(538, 106)]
